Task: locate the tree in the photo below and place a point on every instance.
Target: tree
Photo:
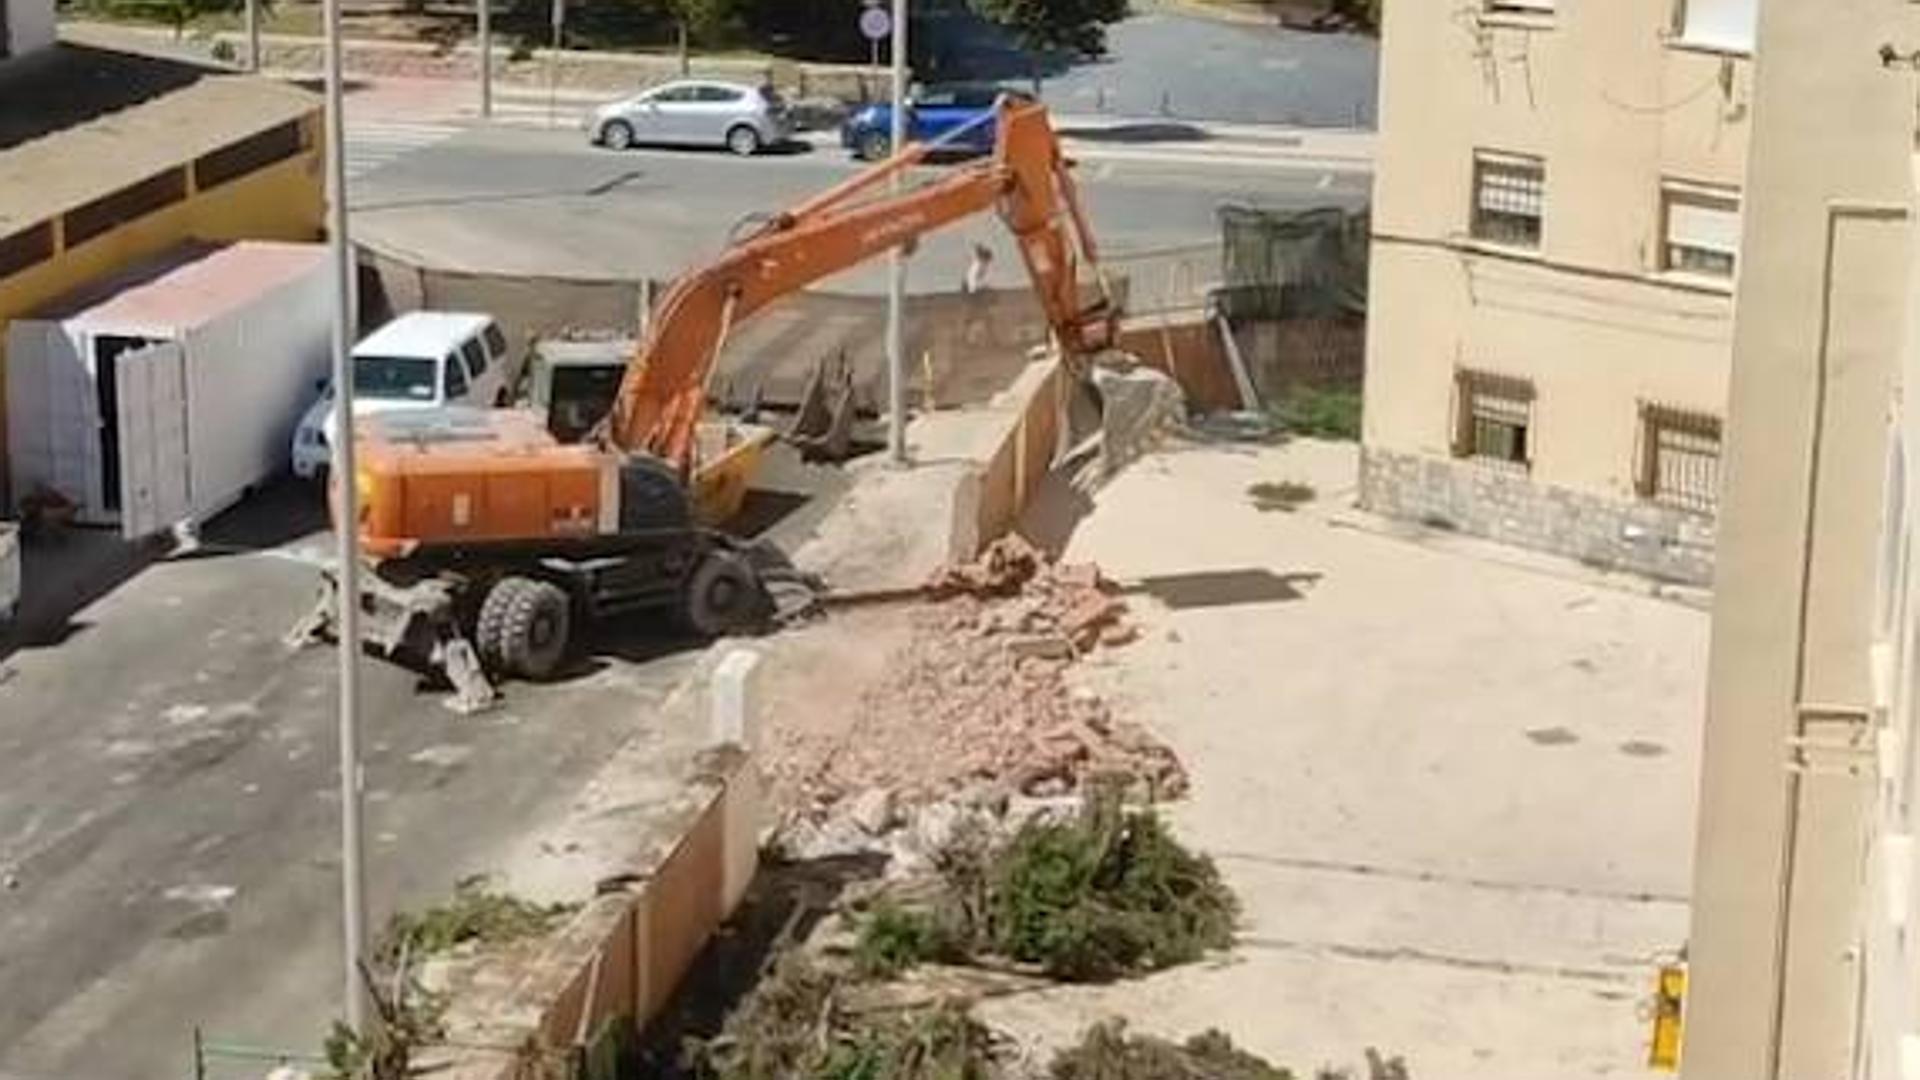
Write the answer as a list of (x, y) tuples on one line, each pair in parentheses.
[(706, 21), (175, 13), (1078, 26)]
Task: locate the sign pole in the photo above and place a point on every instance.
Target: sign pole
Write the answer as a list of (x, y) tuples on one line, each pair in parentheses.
[(897, 265)]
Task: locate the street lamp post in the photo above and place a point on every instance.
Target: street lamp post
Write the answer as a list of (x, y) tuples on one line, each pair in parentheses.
[(897, 263), (352, 885)]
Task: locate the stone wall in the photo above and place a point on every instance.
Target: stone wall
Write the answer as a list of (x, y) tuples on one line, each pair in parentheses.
[(1503, 505)]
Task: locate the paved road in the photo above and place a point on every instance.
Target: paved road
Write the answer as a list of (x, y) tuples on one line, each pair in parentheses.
[(1166, 64), (1166, 61), (168, 811), (530, 201)]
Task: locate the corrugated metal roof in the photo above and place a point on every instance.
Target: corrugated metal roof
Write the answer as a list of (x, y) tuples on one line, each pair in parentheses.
[(188, 286), (165, 124)]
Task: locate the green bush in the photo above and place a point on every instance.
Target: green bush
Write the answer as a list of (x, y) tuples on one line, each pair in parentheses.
[(1321, 414), (793, 1026), (1107, 1052), (1108, 895), (475, 914), (894, 938)]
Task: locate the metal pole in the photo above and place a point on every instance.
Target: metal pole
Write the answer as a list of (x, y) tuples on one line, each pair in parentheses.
[(897, 263), (353, 896), (253, 35), (553, 59), (486, 59)]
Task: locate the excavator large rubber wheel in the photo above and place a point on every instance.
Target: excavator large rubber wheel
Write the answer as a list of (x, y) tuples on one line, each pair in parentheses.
[(723, 595), (524, 627)]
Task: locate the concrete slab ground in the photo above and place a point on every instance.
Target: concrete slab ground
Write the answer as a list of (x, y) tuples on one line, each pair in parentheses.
[(1455, 793)]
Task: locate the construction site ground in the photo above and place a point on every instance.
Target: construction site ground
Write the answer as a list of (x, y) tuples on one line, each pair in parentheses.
[(169, 811), (1453, 785)]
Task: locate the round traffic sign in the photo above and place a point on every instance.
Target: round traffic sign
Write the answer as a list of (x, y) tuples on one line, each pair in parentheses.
[(875, 23)]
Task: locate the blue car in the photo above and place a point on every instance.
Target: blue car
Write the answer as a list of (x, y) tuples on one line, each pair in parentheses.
[(932, 113)]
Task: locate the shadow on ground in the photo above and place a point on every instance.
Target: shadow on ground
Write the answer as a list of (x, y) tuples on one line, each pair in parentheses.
[(1152, 132), (1224, 588), (66, 570)]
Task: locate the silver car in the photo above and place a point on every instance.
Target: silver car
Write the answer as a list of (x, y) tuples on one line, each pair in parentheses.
[(744, 119)]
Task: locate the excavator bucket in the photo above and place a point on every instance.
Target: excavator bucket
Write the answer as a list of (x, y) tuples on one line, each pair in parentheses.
[(823, 428)]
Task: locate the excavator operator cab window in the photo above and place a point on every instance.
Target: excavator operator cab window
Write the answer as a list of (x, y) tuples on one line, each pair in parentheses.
[(454, 377)]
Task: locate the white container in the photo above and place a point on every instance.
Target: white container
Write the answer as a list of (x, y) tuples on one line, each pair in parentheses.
[(162, 395), (9, 571)]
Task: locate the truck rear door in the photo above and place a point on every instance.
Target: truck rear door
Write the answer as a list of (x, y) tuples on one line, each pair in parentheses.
[(151, 404)]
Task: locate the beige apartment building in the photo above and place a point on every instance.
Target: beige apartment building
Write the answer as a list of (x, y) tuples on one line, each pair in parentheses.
[(1803, 952), (1556, 239)]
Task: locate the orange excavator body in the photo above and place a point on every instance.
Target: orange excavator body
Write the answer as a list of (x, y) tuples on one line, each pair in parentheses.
[(497, 477)]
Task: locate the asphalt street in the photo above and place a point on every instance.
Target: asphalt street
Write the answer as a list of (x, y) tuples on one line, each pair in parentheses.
[(1164, 63), (169, 809), (1170, 60), (518, 200)]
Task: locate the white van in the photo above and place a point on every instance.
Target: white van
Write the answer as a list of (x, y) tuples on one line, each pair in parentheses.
[(420, 360)]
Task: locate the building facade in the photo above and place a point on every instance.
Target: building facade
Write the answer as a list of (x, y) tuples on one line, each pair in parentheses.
[(1556, 239), (1802, 956)]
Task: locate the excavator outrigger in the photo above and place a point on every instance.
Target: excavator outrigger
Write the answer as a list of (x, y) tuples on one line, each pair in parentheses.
[(488, 539)]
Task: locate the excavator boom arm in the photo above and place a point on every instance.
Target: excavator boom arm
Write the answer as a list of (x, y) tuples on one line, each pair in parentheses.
[(663, 394)]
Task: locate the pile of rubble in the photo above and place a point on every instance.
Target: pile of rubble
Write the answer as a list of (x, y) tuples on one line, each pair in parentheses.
[(978, 699)]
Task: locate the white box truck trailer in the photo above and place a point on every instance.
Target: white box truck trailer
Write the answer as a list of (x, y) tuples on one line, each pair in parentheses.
[(9, 572), (162, 395)]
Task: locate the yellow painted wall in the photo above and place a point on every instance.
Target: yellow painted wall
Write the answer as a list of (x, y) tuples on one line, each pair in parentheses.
[(283, 201)]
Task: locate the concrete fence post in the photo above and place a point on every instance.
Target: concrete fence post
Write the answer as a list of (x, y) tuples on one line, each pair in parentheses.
[(733, 706), (734, 720)]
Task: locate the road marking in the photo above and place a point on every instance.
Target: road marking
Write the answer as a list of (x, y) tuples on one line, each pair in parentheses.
[(374, 144)]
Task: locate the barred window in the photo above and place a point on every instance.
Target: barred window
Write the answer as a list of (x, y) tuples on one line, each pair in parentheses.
[(1702, 227), (109, 212), (1679, 458), (1508, 196), (26, 248), (251, 154), (1493, 418)]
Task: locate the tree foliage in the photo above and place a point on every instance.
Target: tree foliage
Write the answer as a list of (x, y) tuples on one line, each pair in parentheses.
[(178, 14), (706, 21), (1078, 26)]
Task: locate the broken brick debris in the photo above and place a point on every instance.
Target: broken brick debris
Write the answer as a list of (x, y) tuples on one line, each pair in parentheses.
[(979, 694)]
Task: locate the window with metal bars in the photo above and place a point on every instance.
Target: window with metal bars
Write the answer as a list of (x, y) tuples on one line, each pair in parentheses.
[(1679, 458), (1493, 418), (1509, 195)]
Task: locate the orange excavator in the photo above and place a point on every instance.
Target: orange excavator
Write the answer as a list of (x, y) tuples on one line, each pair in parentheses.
[(489, 540)]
